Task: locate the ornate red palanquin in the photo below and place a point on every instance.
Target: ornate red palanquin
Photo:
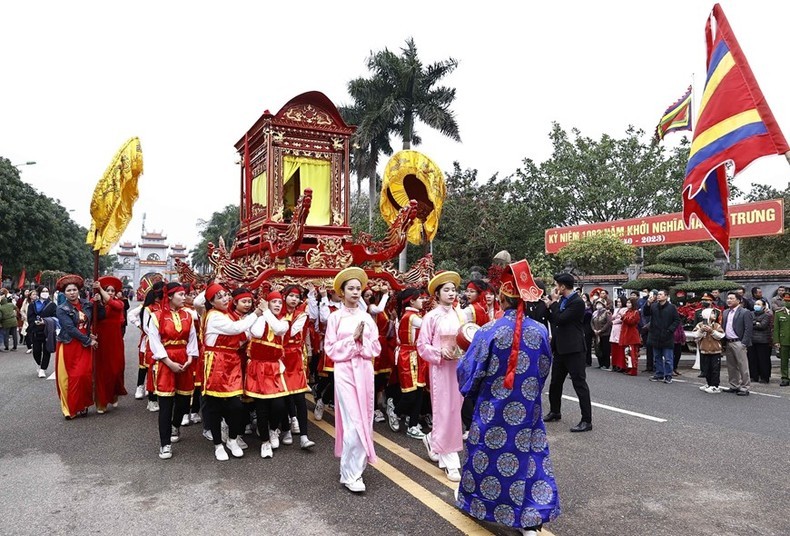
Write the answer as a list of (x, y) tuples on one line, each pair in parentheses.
[(295, 206)]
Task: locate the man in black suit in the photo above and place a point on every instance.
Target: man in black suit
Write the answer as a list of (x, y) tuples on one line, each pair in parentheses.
[(738, 324), (566, 314)]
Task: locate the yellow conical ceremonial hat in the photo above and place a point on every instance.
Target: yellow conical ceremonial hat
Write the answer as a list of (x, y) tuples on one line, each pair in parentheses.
[(352, 272)]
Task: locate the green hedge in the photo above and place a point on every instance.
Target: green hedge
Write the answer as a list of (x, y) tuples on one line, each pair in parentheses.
[(666, 269), (706, 285), (686, 255), (648, 282)]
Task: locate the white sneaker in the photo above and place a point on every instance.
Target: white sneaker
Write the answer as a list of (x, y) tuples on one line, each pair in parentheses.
[(220, 454), (175, 434), (712, 389), (41, 373), (426, 440), (207, 434), (358, 486), (295, 425), (453, 475), (525, 532), (224, 431), (318, 412), (305, 442), (274, 438), (29, 351), (166, 452), (704, 387), (194, 418), (185, 420), (235, 449), (414, 433), (139, 393), (465, 436), (242, 443), (392, 418), (113, 405), (153, 405), (266, 450), (378, 416), (288, 438)]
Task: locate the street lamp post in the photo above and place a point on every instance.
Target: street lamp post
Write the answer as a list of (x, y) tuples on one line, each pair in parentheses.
[(28, 163)]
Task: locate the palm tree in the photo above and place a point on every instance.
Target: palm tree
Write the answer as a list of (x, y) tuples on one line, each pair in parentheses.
[(400, 92), (365, 158)]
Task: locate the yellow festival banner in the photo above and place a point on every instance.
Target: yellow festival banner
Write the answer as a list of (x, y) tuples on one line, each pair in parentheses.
[(114, 197), (412, 175)]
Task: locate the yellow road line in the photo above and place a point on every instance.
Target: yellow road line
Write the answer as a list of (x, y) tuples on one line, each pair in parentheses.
[(407, 455), (452, 515)]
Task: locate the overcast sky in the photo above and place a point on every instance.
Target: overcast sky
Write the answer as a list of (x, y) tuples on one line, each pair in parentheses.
[(189, 78)]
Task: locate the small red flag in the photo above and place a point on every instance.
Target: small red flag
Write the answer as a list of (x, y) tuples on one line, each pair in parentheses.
[(22, 279), (38, 278)]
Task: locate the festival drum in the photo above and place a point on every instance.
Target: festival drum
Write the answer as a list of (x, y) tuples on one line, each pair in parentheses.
[(465, 335)]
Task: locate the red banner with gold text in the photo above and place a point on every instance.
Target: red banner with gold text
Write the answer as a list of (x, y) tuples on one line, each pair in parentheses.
[(763, 218)]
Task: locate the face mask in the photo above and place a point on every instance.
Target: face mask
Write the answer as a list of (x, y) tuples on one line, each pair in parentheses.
[(706, 304), (758, 308), (599, 307), (45, 295)]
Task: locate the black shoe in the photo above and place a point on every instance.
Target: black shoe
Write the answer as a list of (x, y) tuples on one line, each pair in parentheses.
[(656, 378), (582, 427), (551, 416), (784, 383), (700, 375), (742, 393), (729, 390)]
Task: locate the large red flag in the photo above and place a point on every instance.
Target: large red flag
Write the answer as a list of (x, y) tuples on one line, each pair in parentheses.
[(22, 279), (38, 278), (735, 127)]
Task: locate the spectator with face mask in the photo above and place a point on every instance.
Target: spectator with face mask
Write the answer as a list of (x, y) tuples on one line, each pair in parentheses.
[(781, 337), (37, 312)]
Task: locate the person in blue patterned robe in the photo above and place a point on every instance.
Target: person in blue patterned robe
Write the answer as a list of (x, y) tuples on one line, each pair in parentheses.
[(507, 475)]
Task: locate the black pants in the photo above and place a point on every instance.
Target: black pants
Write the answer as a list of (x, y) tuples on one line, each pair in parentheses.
[(606, 351), (268, 410), (588, 340), (574, 365), (195, 408), (40, 354), (230, 409), (678, 349), (711, 364), (171, 411), (467, 412), (141, 372), (759, 356), (300, 403), (325, 388), (410, 404)]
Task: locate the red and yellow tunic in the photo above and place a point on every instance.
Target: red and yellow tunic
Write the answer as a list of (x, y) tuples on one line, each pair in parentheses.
[(110, 362), (383, 362), (294, 349), (74, 362), (148, 356), (412, 371), (224, 334), (197, 367), (265, 355), (325, 363), (479, 313), (174, 333)]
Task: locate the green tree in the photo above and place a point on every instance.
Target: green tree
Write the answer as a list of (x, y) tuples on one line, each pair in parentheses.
[(600, 253), (611, 178), (224, 223), (766, 252), (400, 92), (36, 232)]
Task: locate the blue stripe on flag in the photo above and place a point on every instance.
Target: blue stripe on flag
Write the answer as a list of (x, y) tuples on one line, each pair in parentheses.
[(724, 143)]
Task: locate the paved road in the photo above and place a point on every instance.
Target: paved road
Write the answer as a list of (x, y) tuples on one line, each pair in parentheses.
[(715, 466)]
